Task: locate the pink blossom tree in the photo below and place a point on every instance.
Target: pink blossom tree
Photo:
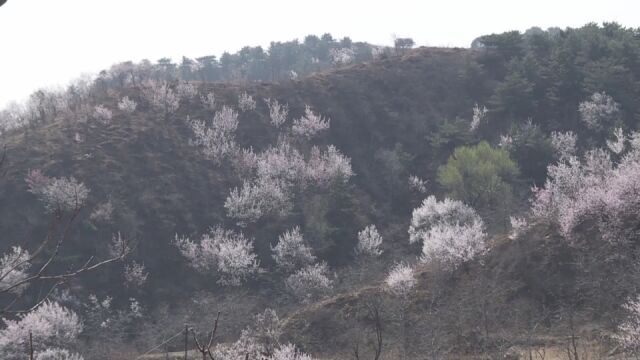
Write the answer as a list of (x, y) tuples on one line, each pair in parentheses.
[(595, 190)]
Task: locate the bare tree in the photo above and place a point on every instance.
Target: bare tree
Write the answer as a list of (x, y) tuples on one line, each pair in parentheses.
[(403, 44), (205, 348), (373, 309)]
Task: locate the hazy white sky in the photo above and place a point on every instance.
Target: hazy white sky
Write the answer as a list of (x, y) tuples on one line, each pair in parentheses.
[(45, 43)]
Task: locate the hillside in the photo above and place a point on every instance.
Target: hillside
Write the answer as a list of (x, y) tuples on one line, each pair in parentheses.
[(402, 114), (161, 186)]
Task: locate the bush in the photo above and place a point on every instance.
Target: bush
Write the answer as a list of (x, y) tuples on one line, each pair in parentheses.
[(478, 175)]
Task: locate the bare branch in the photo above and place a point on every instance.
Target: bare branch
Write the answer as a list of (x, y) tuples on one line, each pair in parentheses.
[(35, 306), (51, 258), (213, 332)]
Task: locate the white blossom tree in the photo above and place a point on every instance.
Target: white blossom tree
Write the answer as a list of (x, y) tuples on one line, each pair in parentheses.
[(597, 163), (135, 274), (107, 324), (127, 105), (634, 140), (162, 97), (282, 163), (13, 116), (310, 283), (252, 345), (369, 242), (310, 124), (377, 51), (479, 114), (506, 142), (51, 327), (400, 280), (58, 194), (617, 145), (228, 253), (454, 244), (599, 112), (277, 112), (325, 168), (564, 144), (270, 178), (78, 138), (103, 213), (291, 252), (289, 352), (257, 199), (245, 345), (98, 313), (186, 90), (450, 231), (342, 56), (518, 226), (246, 102), (628, 332), (119, 245), (265, 331), (57, 354), (217, 140), (417, 184), (102, 113), (245, 163)]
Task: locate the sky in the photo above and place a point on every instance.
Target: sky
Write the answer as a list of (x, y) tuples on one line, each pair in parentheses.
[(47, 43)]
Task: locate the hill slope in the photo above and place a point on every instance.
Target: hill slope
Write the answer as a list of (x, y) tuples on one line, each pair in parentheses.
[(394, 117), (161, 185)]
